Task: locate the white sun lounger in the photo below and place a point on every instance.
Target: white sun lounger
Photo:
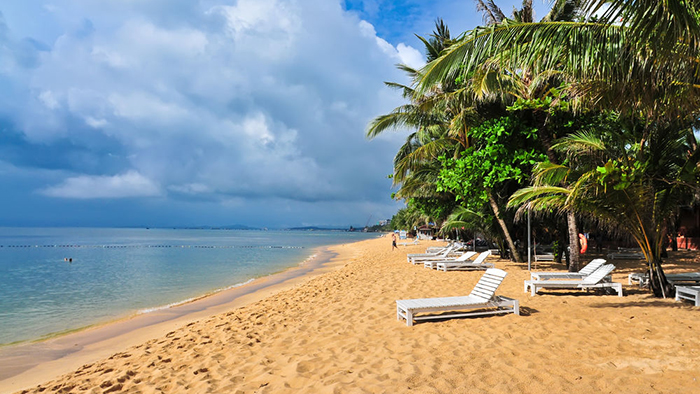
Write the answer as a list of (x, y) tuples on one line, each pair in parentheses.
[(432, 264), (442, 253), (481, 301), (626, 254), (690, 293), (584, 272), (413, 259), (596, 280), (477, 264), (415, 242), (683, 278), (436, 249)]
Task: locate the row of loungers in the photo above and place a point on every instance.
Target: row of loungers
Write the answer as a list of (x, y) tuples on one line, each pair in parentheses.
[(446, 260), (461, 263), (687, 284), (599, 278), (483, 299)]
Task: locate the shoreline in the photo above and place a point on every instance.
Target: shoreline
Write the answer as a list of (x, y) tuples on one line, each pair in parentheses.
[(30, 363)]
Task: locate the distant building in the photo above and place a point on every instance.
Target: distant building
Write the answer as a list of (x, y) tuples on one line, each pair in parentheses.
[(426, 232), (688, 236)]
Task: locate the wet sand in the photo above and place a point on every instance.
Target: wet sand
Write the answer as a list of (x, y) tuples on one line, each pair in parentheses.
[(337, 332)]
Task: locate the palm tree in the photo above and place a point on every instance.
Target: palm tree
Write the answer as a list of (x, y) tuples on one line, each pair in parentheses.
[(647, 62), (441, 118), (632, 180), (623, 66), (483, 222), (535, 89)]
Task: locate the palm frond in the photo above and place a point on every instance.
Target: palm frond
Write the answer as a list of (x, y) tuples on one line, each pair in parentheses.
[(660, 23), (492, 14)]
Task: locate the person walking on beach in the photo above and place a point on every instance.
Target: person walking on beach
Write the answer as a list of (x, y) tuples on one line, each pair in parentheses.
[(393, 241)]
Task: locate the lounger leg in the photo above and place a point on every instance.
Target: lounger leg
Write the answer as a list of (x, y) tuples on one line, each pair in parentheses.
[(516, 307), (533, 289), (618, 287), (409, 318)]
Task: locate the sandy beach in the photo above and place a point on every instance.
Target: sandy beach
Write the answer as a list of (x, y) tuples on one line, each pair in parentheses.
[(335, 331)]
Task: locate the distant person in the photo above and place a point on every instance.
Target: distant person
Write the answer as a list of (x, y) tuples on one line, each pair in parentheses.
[(393, 241), (599, 242)]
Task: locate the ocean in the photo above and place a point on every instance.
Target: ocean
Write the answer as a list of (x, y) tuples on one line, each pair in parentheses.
[(56, 280)]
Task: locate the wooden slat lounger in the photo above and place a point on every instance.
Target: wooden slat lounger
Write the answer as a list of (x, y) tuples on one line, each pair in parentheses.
[(477, 264), (414, 242), (678, 279), (584, 272), (626, 254), (481, 301), (596, 280), (691, 293), (418, 256), (544, 257), (463, 258)]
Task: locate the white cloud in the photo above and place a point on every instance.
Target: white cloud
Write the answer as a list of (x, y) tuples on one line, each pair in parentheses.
[(269, 28), (403, 53), (48, 99), (410, 56), (139, 106), (129, 184), (148, 40), (96, 123), (191, 188), (238, 100), (111, 58)]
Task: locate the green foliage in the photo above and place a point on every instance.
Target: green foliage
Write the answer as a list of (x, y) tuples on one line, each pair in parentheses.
[(630, 181), (619, 175), (505, 151), (436, 208), (407, 218)]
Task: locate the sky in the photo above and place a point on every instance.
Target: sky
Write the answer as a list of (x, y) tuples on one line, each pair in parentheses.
[(168, 113)]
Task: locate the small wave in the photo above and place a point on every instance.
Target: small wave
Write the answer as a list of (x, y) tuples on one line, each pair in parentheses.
[(187, 301)]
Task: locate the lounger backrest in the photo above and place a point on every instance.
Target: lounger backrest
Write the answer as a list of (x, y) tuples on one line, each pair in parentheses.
[(487, 285), (591, 267), (465, 256), (446, 252), (480, 259), (599, 274)]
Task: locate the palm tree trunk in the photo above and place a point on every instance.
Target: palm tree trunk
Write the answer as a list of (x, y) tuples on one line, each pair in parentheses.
[(573, 242), (504, 228), (657, 280)]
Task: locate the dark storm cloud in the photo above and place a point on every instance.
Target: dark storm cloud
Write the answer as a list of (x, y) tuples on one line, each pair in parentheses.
[(231, 105)]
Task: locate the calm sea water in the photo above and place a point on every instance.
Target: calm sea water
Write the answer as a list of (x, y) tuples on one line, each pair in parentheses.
[(119, 272)]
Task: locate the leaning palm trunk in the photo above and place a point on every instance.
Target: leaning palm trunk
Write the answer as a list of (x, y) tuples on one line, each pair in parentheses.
[(652, 245), (504, 227), (574, 250), (657, 280)]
